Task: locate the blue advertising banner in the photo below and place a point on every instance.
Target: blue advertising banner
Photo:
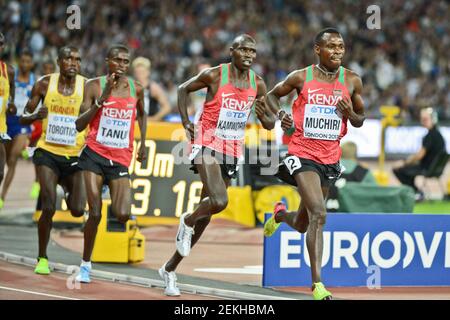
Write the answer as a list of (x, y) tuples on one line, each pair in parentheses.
[(365, 249)]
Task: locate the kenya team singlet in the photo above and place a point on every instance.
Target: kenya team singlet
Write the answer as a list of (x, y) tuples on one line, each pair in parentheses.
[(111, 132), (59, 133), (319, 126), (224, 118)]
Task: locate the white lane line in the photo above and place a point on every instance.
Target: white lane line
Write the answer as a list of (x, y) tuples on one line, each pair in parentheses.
[(256, 270), (37, 293)]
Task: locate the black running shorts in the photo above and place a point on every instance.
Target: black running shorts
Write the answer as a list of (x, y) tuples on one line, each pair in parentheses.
[(108, 169)]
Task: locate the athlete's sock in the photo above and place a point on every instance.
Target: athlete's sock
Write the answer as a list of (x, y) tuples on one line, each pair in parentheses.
[(86, 264)]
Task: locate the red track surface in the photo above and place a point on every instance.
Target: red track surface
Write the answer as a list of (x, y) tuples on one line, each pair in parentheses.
[(20, 283)]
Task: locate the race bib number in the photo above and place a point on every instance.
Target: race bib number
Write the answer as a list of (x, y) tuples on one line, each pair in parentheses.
[(321, 122), (114, 132), (292, 163), (61, 129), (231, 124)]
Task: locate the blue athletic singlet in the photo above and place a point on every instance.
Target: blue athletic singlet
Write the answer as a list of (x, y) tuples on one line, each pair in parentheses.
[(23, 93)]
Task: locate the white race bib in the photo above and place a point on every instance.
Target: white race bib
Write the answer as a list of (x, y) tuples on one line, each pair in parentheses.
[(1, 104), (292, 163), (61, 129), (231, 124), (114, 132), (321, 122)]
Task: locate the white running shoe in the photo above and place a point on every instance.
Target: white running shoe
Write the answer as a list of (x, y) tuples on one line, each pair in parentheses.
[(170, 281), (184, 237)]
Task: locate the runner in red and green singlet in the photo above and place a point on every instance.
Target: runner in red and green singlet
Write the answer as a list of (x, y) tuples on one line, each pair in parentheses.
[(328, 96), (110, 107), (217, 139)]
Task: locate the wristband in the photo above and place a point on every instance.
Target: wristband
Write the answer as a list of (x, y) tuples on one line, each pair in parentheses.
[(97, 104)]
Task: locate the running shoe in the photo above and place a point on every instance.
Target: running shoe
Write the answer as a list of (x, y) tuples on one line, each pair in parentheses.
[(42, 266), (184, 237), (271, 225), (170, 282), (83, 275), (320, 293)]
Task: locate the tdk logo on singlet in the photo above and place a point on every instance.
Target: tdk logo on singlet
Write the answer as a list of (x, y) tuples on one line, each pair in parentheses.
[(236, 114), (323, 110)]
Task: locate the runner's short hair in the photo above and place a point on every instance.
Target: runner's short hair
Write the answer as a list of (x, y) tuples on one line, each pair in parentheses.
[(319, 36), (117, 47)]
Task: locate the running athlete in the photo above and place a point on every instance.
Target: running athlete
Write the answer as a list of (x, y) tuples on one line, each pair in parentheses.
[(56, 156), (24, 81), (7, 95), (328, 96), (111, 105), (48, 67), (232, 90)]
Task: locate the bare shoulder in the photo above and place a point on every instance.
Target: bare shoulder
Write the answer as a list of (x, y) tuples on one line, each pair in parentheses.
[(353, 77), (93, 82), (297, 75), (42, 83), (210, 75)]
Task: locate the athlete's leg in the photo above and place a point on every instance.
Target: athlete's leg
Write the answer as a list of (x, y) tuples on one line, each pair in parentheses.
[(48, 181), (13, 151), (2, 161), (309, 187), (216, 188), (298, 220), (76, 201), (120, 191), (199, 227), (94, 183)]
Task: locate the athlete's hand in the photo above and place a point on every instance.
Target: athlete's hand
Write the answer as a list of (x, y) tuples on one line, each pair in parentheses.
[(12, 109), (286, 121), (260, 107), (42, 113), (111, 81), (141, 156), (345, 107), (190, 131)]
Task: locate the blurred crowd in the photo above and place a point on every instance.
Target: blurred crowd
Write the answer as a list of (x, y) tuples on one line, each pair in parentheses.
[(404, 63)]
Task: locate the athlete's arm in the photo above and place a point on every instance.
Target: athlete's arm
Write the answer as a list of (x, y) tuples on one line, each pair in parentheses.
[(37, 95), (203, 80), (263, 112), (353, 110), (88, 108), (12, 91), (294, 81), (159, 95), (142, 121)]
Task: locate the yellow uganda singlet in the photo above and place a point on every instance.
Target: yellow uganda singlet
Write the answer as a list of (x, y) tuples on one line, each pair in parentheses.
[(4, 96), (59, 134)]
